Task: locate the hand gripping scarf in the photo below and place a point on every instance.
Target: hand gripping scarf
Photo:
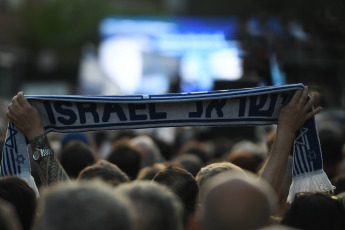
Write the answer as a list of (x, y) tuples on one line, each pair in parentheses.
[(239, 107)]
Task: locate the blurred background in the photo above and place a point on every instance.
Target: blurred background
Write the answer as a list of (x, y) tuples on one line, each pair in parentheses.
[(163, 46), (168, 46)]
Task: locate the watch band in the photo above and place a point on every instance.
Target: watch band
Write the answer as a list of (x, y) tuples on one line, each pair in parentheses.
[(38, 154)]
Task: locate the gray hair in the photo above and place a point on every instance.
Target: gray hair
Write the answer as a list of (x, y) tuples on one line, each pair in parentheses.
[(211, 170), (156, 205), (84, 206)]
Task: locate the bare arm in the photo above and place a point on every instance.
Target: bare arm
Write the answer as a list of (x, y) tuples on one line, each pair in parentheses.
[(27, 119), (291, 119)]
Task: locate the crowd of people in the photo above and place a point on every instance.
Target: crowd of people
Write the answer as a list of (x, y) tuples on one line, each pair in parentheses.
[(145, 179)]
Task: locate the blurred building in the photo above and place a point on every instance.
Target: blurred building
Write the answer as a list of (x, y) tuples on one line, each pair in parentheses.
[(42, 46)]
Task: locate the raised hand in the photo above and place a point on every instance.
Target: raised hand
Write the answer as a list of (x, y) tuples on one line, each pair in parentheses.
[(25, 117)]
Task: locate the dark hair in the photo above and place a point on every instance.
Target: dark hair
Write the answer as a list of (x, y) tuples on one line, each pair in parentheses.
[(17, 192), (106, 171), (190, 162), (331, 144), (126, 157), (183, 184), (75, 157), (195, 148), (8, 217), (315, 211), (339, 183)]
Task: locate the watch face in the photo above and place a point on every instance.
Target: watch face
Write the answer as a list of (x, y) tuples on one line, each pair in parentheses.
[(36, 155)]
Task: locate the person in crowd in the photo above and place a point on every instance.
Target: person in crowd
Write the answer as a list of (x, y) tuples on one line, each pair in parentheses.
[(8, 217), (105, 171), (291, 118), (332, 143), (236, 201), (27, 119), (156, 206), (75, 156), (190, 162), (196, 148), (68, 137), (214, 169), (339, 183), (183, 184), (127, 157), (244, 159), (150, 153), (284, 190), (148, 173), (83, 206), (315, 211), (341, 197), (23, 198)]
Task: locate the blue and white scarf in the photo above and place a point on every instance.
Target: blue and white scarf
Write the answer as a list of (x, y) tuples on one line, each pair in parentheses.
[(240, 107)]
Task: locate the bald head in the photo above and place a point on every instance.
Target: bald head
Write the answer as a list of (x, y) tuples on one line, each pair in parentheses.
[(236, 202)]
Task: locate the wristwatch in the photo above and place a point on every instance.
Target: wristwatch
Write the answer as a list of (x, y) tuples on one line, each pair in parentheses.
[(38, 154)]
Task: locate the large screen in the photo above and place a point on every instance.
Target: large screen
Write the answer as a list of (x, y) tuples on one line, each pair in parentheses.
[(146, 55)]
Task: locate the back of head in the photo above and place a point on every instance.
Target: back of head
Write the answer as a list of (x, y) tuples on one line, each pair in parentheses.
[(150, 152), (156, 206), (17, 192), (75, 156), (148, 173), (126, 157), (105, 171), (214, 169), (339, 183), (236, 201), (245, 160), (195, 148), (183, 184), (332, 145), (315, 211), (84, 206), (69, 137), (8, 217), (190, 162)]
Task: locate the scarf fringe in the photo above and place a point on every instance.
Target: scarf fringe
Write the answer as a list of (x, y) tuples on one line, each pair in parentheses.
[(310, 182)]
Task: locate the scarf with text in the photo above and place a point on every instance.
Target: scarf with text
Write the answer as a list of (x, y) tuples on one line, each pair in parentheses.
[(239, 107)]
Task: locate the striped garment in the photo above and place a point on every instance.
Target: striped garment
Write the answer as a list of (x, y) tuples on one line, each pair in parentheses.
[(239, 107)]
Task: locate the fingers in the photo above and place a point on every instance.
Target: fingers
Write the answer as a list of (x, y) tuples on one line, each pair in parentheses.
[(312, 100), (308, 106), (9, 115), (15, 108), (304, 96), (22, 100), (296, 97), (314, 112), (15, 105)]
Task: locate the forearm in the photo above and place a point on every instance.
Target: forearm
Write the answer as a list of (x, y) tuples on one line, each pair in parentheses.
[(291, 119), (49, 169), (275, 165)]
